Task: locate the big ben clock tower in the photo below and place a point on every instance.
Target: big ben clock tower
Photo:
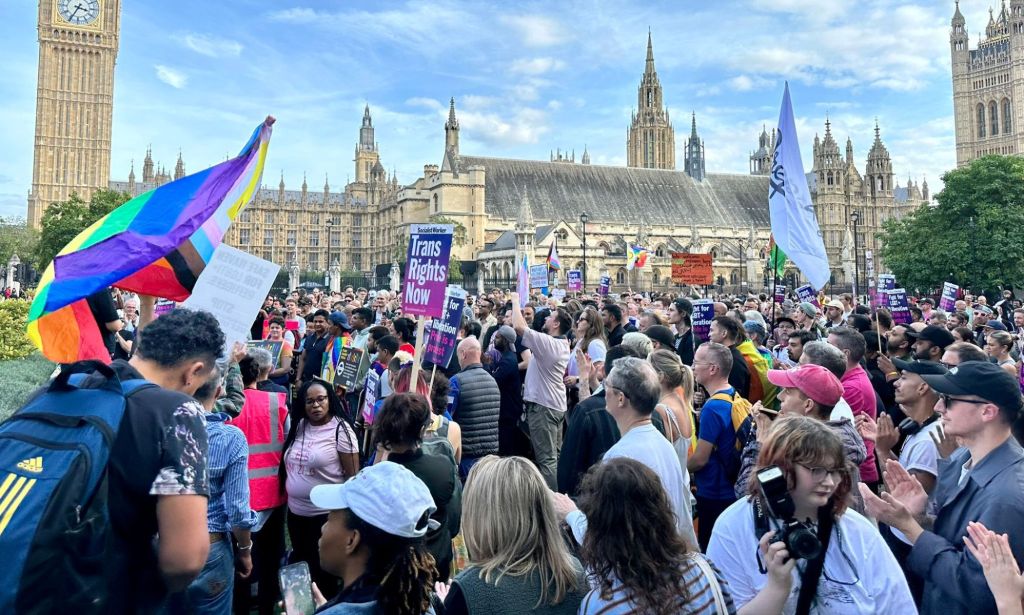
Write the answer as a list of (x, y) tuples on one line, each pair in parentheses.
[(78, 42)]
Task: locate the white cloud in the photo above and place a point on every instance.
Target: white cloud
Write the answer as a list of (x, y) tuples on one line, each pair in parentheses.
[(536, 66), (420, 101), (536, 30), (171, 76), (213, 47), (295, 15), (746, 83)]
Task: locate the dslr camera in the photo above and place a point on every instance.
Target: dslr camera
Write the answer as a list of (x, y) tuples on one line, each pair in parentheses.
[(800, 538)]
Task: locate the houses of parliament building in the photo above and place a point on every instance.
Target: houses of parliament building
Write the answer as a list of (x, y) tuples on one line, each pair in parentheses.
[(501, 207)]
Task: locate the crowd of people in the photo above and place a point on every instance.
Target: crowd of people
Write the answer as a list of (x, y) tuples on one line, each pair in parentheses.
[(591, 455)]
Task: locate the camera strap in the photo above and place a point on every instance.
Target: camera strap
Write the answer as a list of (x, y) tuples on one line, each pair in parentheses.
[(811, 575)]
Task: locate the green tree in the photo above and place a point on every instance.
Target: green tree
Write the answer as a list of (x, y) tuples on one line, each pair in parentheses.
[(16, 237), (970, 237), (64, 220)]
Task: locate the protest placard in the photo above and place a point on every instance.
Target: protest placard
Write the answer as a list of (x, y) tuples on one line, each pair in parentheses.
[(232, 288), (440, 343), (273, 347), (780, 293), (806, 293), (539, 277), (162, 307), (575, 280), (690, 268), (703, 314), (370, 396), (426, 269), (886, 281), (947, 303), (604, 286), (896, 300), (558, 293), (346, 372)]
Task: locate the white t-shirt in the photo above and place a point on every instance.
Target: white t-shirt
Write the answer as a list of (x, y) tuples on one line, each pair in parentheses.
[(646, 445), (595, 350), (861, 574), (919, 453)]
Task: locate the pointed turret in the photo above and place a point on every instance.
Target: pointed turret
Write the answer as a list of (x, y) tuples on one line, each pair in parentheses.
[(849, 151), (525, 219), (651, 139), (304, 186), (147, 166), (924, 190), (586, 156), (693, 163), (280, 186), (179, 168), (327, 187), (761, 159), (878, 172), (131, 173), (451, 129), (649, 68), (366, 141)]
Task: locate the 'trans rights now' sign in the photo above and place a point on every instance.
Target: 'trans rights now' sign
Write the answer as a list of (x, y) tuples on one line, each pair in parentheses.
[(426, 269)]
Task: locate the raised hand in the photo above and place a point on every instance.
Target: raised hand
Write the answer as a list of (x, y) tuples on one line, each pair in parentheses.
[(997, 562), (887, 434), (866, 427), (945, 443)]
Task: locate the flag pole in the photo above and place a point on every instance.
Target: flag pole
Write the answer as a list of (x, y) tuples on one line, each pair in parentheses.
[(775, 282)]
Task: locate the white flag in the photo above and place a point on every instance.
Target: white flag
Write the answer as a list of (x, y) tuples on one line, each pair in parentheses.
[(794, 224)]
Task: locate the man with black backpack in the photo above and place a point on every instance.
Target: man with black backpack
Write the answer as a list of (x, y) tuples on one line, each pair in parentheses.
[(152, 536)]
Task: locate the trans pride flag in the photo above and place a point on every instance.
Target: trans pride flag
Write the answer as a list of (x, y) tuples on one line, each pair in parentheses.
[(155, 244)]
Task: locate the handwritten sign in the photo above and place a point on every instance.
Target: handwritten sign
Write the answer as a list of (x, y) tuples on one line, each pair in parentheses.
[(426, 269), (346, 374), (947, 303), (703, 314), (539, 276), (604, 286), (232, 288), (558, 293), (806, 293), (691, 268), (896, 300), (444, 330)]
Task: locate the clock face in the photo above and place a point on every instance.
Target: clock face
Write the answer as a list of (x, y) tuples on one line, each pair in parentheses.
[(79, 12)]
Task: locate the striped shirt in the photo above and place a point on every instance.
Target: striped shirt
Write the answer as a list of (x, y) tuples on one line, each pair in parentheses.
[(228, 471), (700, 596)]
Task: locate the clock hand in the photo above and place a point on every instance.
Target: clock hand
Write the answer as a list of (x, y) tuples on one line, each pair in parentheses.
[(72, 15)]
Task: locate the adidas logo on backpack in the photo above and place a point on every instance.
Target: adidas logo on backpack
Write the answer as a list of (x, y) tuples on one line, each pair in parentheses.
[(34, 465)]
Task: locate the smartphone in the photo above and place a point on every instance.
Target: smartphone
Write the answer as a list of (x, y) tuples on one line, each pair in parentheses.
[(297, 589)]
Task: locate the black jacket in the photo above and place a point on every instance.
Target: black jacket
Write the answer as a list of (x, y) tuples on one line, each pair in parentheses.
[(505, 372), (739, 377), (685, 348), (615, 336), (477, 404), (442, 479)]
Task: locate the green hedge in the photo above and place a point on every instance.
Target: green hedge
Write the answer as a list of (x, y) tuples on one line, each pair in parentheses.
[(14, 342), (20, 377)]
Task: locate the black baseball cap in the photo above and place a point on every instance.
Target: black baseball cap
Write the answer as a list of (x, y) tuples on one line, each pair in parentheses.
[(782, 319), (985, 380), (662, 335), (921, 368), (934, 334)]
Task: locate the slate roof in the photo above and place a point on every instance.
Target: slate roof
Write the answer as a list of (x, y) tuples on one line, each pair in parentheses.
[(507, 240), (621, 194)]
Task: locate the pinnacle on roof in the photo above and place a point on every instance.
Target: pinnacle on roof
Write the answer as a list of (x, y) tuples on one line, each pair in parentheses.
[(525, 219), (693, 124), (452, 122), (367, 120), (304, 186), (327, 185), (280, 186), (650, 54), (958, 17)]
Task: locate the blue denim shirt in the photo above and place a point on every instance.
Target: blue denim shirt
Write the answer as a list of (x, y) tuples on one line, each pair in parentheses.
[(992, 493), (228, 471)]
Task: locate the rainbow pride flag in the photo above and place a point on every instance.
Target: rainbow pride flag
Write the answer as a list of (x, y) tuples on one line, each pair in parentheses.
[(637, 257), (155, 244)]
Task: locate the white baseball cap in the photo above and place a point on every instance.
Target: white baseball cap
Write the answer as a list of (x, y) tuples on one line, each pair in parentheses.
[(387, 496)]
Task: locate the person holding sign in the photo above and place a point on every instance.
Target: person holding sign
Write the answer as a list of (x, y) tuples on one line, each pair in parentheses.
[(544, 392), (280, 374)]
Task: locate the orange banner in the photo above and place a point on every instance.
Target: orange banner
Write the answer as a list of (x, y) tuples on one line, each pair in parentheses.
[(691, 268)]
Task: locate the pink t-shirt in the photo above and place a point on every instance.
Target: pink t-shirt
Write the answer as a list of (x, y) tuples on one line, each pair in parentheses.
[(313, 460), (858, 392)]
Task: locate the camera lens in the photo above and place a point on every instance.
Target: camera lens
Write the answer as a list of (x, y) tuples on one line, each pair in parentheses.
[(802, 543)]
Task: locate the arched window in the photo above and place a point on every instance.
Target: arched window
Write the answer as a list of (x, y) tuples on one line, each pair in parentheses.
[(829, 180), (714, 253), (660, 251), (981, 121), (435, 203), (508, 272), (620, 276), (993, 116), (1007, 117), (655, 276), (734, 278)]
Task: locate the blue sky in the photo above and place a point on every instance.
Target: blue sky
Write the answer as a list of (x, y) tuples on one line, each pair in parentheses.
[(528, 77)]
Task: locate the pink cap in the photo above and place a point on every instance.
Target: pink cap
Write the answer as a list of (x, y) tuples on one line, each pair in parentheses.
[(814, 381)]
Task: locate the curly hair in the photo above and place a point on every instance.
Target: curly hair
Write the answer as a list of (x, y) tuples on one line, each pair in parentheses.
[(402, 419), (801, 440), (631, 536), (403, 568), (181, 335)]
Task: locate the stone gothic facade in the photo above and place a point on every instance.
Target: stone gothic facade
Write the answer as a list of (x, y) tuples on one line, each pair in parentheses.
[(651, 140), (988, 85)]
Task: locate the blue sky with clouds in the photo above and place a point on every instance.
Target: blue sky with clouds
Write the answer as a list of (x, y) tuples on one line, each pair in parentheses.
[(528, 77)]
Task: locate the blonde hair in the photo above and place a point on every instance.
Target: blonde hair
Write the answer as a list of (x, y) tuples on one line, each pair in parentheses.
[(677, 376), (509, 525)]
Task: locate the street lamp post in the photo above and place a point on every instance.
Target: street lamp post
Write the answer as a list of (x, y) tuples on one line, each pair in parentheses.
[(583, 220), (855, 217)]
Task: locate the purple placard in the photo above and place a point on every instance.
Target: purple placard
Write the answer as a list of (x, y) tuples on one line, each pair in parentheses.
[(426, 269), (947, 303), (886, 281), (162, 307), (896, 300), (440, 342), (605, 285), (780, 293), (806, 293), (703, 314), (575, 280)]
